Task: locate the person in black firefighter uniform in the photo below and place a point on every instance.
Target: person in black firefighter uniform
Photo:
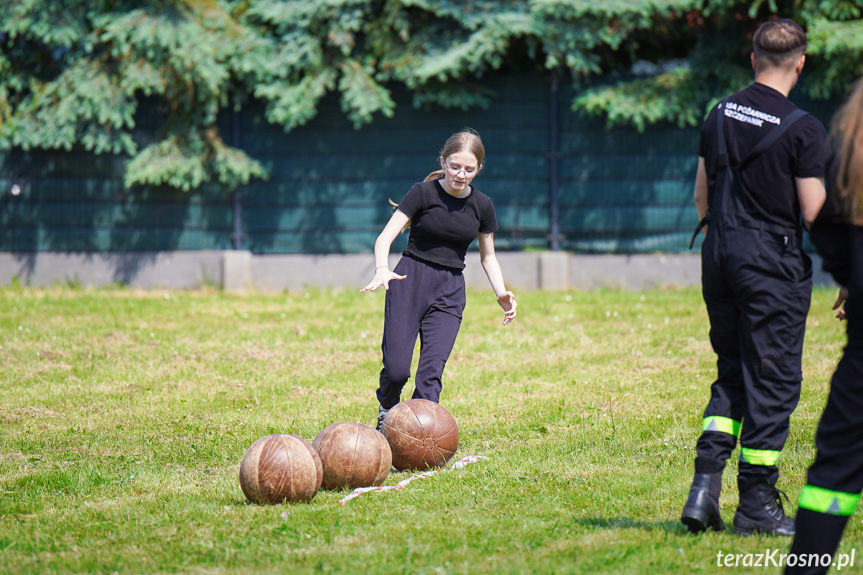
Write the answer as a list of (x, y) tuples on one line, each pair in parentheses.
[(835, 479), (760, 170)]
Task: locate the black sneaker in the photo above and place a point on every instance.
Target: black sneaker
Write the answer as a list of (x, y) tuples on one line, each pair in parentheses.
[(382, 413)]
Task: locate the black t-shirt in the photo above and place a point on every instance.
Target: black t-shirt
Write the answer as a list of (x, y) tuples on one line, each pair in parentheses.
[(768, 180), (840, 243), (443, 226), (831, 232)]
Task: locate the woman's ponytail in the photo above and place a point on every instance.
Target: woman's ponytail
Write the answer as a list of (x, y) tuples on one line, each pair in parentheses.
[(436, 175)]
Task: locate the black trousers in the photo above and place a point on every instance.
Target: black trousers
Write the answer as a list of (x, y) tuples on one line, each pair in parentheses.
[(757, 288), (429, 302), (835, 479), (838, 464)]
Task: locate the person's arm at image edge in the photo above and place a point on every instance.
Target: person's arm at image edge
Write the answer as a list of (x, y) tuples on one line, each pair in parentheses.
[(700, 195)]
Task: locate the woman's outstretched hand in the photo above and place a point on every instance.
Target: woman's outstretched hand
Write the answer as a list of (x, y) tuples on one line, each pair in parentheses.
[(508, 303), (383, 276), (838, 306)]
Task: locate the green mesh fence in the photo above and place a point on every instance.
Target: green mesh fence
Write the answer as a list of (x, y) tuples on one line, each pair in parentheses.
[(620, 191)]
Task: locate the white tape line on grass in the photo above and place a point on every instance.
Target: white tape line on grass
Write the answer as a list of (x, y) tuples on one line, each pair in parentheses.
[(401, 484)]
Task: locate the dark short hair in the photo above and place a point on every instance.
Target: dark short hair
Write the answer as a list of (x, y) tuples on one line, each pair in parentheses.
[(779, 42)]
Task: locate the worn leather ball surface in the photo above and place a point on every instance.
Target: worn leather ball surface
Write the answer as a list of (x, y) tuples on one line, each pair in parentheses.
[(353, 455), (422, 434), (280, 467)]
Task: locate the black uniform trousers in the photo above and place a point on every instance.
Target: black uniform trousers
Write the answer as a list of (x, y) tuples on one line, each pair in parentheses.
[(429, 302), (835, 479), (757, 287), (838, 465)]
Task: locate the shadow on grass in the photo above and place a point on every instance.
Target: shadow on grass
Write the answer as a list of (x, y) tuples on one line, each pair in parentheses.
[(674, 527), (283, 504)]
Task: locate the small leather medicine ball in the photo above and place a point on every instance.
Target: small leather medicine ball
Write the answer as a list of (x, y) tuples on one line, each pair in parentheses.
[(353, 455), (279, 468), (421, 433)]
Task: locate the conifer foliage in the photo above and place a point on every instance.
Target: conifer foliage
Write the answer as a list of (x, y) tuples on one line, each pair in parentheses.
[(74, 74)]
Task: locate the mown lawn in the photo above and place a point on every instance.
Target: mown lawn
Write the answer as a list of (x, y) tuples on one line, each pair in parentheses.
[(124, 416)]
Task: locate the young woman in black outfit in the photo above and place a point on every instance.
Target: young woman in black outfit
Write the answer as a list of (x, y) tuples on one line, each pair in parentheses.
[(835, 479), (445, 213)]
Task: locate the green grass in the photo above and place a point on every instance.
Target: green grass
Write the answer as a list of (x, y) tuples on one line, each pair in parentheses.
[(125, 414)]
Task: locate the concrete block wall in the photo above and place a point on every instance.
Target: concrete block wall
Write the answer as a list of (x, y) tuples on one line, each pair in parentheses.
[(241, 270), (174, 270)]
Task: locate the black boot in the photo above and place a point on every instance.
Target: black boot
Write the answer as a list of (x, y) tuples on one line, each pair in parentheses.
[(701, 511), (818, 534), (760, 509)]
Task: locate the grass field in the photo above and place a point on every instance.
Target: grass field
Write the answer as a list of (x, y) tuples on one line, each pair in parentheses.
[(125, 414)]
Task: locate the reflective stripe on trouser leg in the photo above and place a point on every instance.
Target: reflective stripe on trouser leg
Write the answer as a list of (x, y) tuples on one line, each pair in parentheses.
[(721, 424), (759, 456), (827, 501)]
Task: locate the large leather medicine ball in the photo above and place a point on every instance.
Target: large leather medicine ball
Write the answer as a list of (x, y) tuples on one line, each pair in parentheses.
[(353, 455), (279, 468), (422, 434)]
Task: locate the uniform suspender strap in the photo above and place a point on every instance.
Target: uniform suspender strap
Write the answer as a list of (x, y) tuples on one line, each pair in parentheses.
[(704, 221), (774, 135), (722, 155), (766, 141), (721, 163)]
